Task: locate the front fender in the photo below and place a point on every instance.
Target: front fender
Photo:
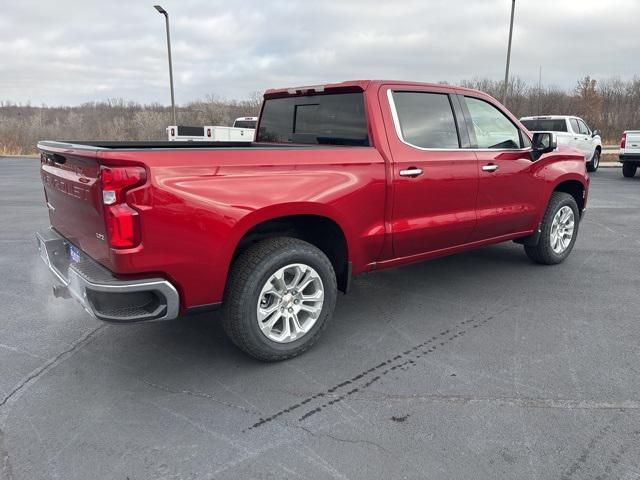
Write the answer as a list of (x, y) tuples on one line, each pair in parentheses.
[(560, 167)]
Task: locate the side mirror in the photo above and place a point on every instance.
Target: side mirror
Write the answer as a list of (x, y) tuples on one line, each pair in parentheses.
[(543, 142), (595, 133)]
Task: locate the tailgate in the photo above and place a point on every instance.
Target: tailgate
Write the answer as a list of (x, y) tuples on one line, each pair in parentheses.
[(633, 143), (72, 192)]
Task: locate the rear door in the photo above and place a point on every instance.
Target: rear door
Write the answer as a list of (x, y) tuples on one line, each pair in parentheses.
[(508, 191), (435, 181)]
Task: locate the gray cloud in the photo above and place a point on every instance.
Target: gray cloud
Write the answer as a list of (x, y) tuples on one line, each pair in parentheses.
[(71, 51)]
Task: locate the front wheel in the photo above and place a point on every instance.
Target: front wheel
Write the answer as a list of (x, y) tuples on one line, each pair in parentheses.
[(280, 296), (629, 169), (559, 230), (593, 165)]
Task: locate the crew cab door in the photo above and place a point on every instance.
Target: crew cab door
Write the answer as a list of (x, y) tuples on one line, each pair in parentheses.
[(435, 181), (585, 140), (508, 191), (578, 139)]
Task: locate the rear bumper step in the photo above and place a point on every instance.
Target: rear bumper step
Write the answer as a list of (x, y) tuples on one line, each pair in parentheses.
[(100, 293)]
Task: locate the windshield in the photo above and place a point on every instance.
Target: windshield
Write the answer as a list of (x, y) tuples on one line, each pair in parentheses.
[(546, 125), (331, 119)]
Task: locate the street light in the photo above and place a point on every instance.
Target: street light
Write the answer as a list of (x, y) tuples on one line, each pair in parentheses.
[(506, 73), (166, 17)]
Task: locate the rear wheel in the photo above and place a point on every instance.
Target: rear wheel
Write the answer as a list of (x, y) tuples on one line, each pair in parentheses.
[(593, 165), (281, 293), (559, 230), (629, 169)]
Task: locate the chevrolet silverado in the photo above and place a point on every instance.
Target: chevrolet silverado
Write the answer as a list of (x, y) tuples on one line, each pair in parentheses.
[(341, 179)]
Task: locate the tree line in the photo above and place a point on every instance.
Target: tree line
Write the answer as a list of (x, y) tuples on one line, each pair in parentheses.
[(22, 126), (611, 105)]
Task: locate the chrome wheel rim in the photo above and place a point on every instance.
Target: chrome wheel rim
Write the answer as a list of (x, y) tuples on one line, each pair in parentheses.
[(562, 229), (290, 303)]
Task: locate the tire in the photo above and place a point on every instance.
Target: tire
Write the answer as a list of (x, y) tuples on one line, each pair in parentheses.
[(253, 278), (544, 252), (629, 169), (593, 165)]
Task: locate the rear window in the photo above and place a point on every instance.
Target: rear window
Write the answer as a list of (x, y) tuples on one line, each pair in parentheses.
[(245, 124), (546, 125), (332, 119)]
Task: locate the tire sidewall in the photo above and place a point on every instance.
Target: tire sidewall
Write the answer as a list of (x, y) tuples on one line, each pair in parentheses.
[(564, 201), (266, 268), (629, 170), (595, 161)]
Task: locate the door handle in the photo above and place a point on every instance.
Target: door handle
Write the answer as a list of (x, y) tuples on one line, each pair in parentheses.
[(490, 168), (411, 172)]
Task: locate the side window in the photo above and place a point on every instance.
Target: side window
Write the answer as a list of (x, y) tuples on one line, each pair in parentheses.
[(584, 130), (493, 129), (426, 119), (574, 125)]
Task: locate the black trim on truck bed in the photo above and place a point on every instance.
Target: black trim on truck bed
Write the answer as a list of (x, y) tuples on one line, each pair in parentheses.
[(166, 145), (151, 144)]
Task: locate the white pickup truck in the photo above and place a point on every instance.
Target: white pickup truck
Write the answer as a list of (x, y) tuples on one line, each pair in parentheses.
[(572, 132), (630, 152)]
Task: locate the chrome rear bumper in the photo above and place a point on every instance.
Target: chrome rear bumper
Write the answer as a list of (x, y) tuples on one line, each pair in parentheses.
[(101, 294)]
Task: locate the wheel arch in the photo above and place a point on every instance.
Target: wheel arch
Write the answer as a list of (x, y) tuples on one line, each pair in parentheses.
[(314, 224), (574, 187)]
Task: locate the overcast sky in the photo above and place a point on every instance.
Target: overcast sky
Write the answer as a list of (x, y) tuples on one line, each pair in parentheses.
[(72, 51)]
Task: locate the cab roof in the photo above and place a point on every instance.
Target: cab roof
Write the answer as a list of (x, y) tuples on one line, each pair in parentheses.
[(358, 86)]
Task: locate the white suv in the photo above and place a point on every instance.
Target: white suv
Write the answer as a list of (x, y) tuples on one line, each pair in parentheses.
[(572, 132)]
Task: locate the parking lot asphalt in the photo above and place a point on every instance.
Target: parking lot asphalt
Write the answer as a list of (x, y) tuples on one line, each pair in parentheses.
[(481, 365)]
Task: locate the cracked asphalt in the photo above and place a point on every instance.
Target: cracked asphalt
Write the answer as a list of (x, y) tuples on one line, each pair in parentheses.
[(480, 365)]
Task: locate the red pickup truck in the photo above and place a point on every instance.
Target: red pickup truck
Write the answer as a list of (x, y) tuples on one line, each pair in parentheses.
[(341, 179)]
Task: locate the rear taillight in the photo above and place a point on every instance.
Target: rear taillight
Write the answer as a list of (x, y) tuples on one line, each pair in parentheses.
[(623, 140), (123, 222)]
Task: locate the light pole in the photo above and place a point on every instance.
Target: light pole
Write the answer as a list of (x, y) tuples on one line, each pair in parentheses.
[(506, 73), (166, 17)]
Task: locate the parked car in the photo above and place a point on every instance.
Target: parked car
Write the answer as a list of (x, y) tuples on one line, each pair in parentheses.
[(342, 179), (572, 132), (630, 152)]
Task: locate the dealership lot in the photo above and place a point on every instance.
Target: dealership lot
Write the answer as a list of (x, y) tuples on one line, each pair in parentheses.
[(480, 365)]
